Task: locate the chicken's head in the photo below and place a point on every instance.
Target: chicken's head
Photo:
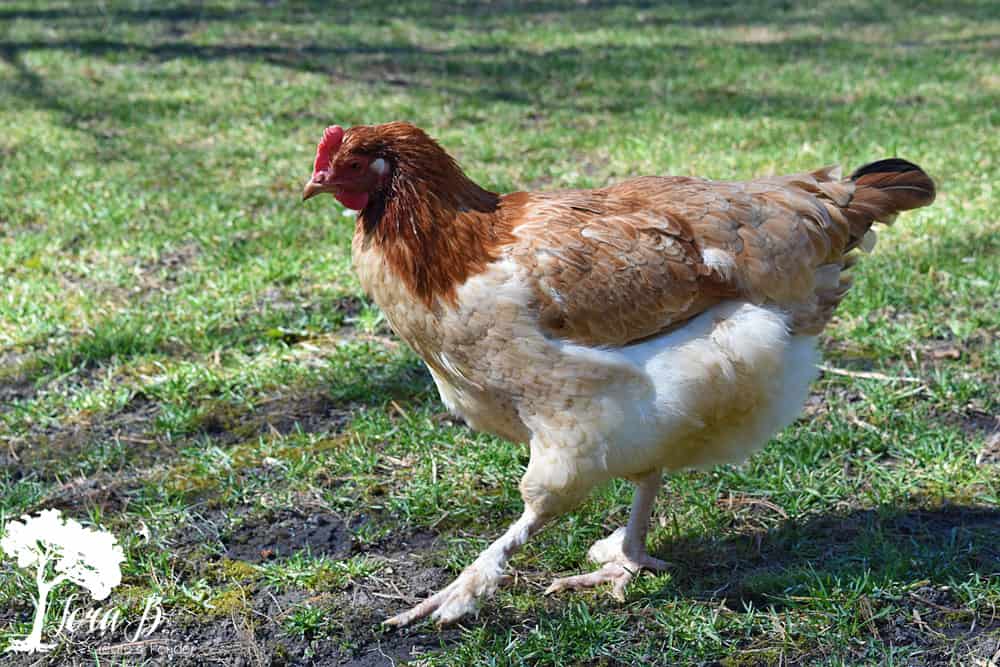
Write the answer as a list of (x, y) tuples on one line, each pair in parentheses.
[(350, 172)]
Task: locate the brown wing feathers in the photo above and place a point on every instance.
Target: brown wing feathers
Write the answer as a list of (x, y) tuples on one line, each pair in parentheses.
[(614, 279)]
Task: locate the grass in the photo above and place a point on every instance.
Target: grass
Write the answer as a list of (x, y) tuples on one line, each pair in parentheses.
[(183, 346)]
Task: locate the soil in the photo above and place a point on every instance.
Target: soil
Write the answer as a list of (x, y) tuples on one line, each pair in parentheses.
[(311, 411), (351, 635), (14, 386), (129, 436), (281, 535), (44, 451)]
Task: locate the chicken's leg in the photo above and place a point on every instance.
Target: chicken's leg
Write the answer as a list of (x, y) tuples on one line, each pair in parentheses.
[(478, 580), (623, 553)]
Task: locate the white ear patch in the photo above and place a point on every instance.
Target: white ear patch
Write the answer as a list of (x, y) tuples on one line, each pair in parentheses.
[(380, 167)]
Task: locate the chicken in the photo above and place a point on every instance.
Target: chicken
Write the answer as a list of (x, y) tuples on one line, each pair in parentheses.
[(657, 324)]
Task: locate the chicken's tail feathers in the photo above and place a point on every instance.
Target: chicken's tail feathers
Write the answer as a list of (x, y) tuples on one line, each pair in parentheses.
[(874, 193), (881, 190), (901, 185)]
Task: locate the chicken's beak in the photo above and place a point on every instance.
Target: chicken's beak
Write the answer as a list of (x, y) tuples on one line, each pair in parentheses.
[(314, 188)]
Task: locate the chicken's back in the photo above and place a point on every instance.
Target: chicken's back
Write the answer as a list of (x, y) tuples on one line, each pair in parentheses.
[(616, 265)]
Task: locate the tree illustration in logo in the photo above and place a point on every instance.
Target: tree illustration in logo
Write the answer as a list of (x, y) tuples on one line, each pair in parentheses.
[(60, 549)]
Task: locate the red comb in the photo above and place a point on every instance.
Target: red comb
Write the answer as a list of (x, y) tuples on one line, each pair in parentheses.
[(333, 136)]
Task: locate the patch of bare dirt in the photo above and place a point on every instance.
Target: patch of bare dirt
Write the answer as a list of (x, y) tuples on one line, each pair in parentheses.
[(971, 351), (750, 514), (351, 633), (23, 377), (974, 420), (990, 453), (109, 493), (277, 299), (261, 640), (978, 423), (162, 273), (311, 412), (280, 536), (934, 620), (119, 438), (15, 384), (17, 388), (230, 642), (129, 436)]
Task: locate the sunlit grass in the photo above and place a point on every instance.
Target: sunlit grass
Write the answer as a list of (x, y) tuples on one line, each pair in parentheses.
[(183, 343)]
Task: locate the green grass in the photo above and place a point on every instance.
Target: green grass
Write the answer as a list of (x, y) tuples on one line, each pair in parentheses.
[(183, 344)]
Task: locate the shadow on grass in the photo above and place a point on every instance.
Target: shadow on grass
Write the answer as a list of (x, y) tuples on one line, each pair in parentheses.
[(151, 431), (445, 14), (849, 556), (132, 334), (616, 74), (833, 552), (620, 74)]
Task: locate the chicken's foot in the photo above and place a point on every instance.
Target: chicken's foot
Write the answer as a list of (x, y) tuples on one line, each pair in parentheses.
[(479, 580), (623, 553)]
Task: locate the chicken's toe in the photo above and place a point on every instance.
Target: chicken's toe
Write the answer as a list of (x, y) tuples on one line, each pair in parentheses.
[(608, 572), (619, 572), (445, 606), (455, 600)]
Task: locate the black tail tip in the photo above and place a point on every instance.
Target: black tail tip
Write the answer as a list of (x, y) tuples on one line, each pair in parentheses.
[(893, 165)]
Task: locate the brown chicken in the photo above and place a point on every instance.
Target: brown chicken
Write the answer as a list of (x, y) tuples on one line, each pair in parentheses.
[(657, 324)]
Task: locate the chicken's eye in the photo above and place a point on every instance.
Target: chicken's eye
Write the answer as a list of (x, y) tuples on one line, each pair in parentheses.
[(355, 165)]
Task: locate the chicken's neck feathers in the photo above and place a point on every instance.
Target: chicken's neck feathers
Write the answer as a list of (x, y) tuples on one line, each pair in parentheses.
[(434, 226)]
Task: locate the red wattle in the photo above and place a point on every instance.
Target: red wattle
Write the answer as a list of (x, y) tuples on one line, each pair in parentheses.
[(352, 200)]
